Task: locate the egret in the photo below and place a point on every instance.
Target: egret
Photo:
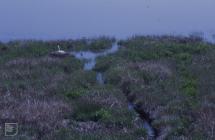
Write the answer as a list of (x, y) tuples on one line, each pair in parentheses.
[(60, 51)]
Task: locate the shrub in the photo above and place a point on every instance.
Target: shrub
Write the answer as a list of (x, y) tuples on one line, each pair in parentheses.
[(190, 87), (183, 57), (102, 114), (87, 111), (73, 94), (120, 117)]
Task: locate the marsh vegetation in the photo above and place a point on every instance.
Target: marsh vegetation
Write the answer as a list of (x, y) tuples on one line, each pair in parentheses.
[(171, 78)]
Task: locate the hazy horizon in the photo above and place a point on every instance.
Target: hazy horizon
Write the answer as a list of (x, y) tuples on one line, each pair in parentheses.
[(63, 19)]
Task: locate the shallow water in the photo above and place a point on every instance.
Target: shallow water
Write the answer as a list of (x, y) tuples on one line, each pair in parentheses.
[(63, 19), (90, 57), (146, 125), (100, 78)]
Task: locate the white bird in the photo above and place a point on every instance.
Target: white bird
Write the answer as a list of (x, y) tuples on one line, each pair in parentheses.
[(60, 51)]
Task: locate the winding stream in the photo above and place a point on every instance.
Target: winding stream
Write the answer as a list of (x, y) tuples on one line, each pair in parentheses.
[(144, 118), (89, 58)]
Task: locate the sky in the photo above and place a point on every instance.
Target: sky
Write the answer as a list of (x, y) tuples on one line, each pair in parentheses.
[(63, 19)]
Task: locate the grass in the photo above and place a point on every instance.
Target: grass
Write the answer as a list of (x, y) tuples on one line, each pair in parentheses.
[(54, 98)]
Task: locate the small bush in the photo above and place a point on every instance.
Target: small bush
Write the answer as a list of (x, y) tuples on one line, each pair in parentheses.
[(73, 94), (90, 112), (120, 117), (184, 57), (190, 87), (103, 114)]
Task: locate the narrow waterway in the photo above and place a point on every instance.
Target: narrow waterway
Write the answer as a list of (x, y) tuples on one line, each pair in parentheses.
[(90, 57), (144, 118), (90, 61)]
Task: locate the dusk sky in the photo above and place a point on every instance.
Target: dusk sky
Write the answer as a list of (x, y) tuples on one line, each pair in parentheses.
[(61, 19)]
